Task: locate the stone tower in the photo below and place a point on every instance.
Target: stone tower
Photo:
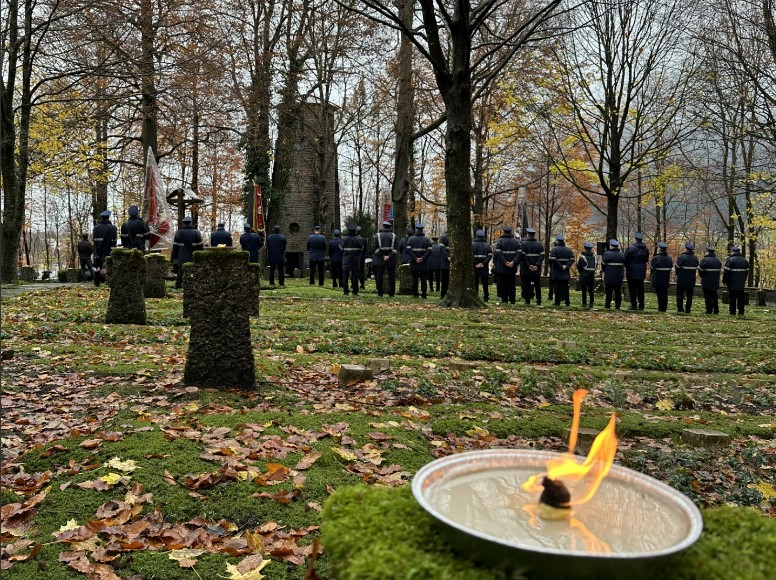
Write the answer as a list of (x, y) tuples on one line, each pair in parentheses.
[(313, 183)]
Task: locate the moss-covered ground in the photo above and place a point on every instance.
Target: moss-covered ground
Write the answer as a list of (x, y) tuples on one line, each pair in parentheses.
[(216, 468)]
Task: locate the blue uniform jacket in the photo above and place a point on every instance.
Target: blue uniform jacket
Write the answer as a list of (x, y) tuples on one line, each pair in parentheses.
[(636, 259), (276, 249), (316, 248)]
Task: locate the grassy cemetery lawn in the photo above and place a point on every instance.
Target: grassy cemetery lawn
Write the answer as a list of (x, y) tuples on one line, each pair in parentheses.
[(111, 467)]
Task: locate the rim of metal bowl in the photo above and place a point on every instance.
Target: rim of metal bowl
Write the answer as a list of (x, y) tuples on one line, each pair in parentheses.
[(474, 461)]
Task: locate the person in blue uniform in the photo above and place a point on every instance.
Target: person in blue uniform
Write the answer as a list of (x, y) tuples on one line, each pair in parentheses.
[(636, 259), (482, 255), (531, 260), (561, 259), (316, 254), (586, 270), (134, 231), (444, 244), (419, 247), (660, 274), (709, 270), (187, 240), (403, 251), (250, 242), (384, 252), (686, 269), (104, 238), (335, 260), (220, 237), (362, 259), (613, 266), (435, 266), (506, 258), (352, 247), (276, 256), (734, 275)]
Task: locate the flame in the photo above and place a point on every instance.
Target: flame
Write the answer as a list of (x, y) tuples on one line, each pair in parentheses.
[(595, 467)]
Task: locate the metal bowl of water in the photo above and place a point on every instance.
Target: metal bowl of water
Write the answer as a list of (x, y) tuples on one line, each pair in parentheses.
[(632, 526)]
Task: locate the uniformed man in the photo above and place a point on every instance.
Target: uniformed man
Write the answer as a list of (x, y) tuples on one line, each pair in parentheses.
[(134, 231), (561, 260), (709, 270), (276, 256), (444, 244), (104, 237), (482, 256), (221, 237), (686, 269), (316, 254), (531, 259), (419, 247), (187, 240), (384, 244), (85, 250), (335, 260), (586, 269), (550, 280), (660, 275), (435, 265), (613, 266), (734, 275), (352, 247), (403, 251), (250, 242), (636, 259), (506, 258)]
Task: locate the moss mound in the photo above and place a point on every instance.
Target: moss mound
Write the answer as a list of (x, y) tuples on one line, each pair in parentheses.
[(378, 533)]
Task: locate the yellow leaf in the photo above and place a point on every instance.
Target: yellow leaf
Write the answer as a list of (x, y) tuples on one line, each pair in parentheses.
[(344, 453), (665, 404), (127, 466), (478, 432), (111, 478), (255, 541), (192, 407), (70, 525), (299, 349), (543, 404), (252, 574), (184, 554), (335, 369), (766, 489)]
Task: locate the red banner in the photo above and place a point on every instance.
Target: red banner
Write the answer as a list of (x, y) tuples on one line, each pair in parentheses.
[(387, 212), (257, 220), (154, 205)]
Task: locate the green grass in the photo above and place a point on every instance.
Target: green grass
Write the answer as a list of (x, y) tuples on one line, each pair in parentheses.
[(660, 373)]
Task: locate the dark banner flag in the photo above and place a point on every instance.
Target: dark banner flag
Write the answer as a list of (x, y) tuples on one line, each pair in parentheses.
[(257, 211)]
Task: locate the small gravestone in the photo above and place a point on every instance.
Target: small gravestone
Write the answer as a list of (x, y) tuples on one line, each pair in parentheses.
[(762, 298), (705, 438), (352, 374), (379, 364), (157, 267), (462, 365), (570, 344), (405, 280), (73, 275), (220, 294), (585, 438), (126, 278)]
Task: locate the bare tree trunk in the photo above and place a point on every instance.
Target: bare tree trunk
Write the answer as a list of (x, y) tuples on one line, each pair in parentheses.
[(149, 132), (405, 120)]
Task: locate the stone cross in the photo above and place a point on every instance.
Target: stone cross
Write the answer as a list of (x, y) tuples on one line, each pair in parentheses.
[(157, 267), (126, 278), (220, 293)]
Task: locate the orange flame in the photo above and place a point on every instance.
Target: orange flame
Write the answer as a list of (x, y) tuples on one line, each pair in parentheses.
[(595, 467)]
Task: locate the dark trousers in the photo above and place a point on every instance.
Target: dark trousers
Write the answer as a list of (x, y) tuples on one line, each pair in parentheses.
[(681, 292), (662, 299), (281, 274), (316, 264), (350, 278), (636, 292), (434, 275), (531, 285), (98, 278), (506, 287), (420, 276), (445, 283), (336, 274), (561, 292), (481, 278), (737, 301), (712, 301), (361, 273), (587, 285), (615, 289), (380, 272), (550, 288), (86, 269)]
